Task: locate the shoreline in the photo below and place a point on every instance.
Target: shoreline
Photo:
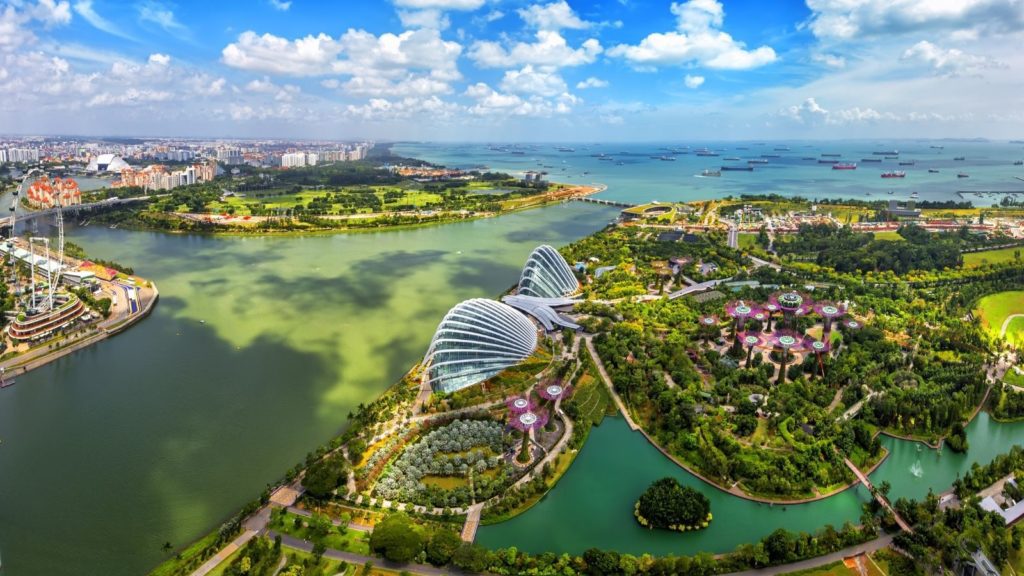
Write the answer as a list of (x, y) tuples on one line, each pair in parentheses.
[(15, 368), (242, 231)]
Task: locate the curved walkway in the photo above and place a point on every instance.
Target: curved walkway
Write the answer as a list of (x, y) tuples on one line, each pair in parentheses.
[(1006, 323)]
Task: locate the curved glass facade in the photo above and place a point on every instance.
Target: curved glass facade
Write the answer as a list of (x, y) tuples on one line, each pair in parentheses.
[(477, 339), (547, 275)]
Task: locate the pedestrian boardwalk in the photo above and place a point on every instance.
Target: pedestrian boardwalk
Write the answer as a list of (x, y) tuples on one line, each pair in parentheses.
[(472, 523), (878, 496), (224, 553)]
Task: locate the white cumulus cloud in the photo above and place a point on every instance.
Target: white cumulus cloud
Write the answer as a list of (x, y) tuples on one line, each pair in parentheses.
[(591, 82), (697, 38), (550, 49), (693, 82), (948, 62), (848, 19), (553, 16)]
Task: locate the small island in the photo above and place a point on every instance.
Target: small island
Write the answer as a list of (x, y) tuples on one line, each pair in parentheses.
[(667, 504)]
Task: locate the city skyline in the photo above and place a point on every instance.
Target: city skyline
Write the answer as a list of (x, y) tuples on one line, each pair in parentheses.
[(488, 70)]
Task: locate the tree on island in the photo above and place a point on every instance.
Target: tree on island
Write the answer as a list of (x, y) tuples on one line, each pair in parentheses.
[(668, 504)]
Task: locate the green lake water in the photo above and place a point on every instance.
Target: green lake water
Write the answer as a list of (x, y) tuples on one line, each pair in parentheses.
[(161, 433), (592, 505)]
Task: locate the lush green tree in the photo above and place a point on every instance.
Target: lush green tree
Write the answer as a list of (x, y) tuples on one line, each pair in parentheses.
[(669, 504), (441, 547), (397, 538), (324, 476)]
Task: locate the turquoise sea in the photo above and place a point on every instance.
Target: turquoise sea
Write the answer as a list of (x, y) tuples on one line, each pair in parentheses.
[(632, 175)]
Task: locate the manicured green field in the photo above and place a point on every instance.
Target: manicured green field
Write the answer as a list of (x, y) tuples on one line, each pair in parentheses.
[(889, 235), (995, 308), (747, 241), (975, 259)]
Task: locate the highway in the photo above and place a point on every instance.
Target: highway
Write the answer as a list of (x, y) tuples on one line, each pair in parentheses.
[(32, 215)]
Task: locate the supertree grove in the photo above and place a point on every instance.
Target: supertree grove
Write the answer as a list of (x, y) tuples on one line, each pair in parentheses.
[(829, 312), (751, 340), (740, 311), (820, 348), (787, 342), (793, 305), (528, 423)]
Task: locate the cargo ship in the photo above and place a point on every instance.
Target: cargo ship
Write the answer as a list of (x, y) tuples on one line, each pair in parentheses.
[(892, 157), (962, 175), (770, 156), (887, 153), (960, 158), (711, 173), (706, 153), (894, 174), (737, 168), (870, 159), (933, 171), (1019, 163), (823, 161), (831, 155), (757, 161), (911, 163), (845, 166)]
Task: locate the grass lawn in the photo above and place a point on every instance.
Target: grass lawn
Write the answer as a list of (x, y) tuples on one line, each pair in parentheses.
[(1014, 378), (354, 541), (175, 564), (975, 259), (889, 235), (330, 566), (994, 309), (748, 241)]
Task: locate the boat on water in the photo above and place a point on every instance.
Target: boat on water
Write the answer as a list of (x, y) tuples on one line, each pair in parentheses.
[(894, 174), (891, 192), (757, 161), (564, 149), (732, 159), (1019, 163), (892, 157), (915, 195), (886, 153), (781, 149), (667, 158), (960, 158), (770, 156), (742, 148), (711, 173), (933, 171), (831, 155), (911, 163), (706, 153), (808, 158), (870, 159), (845, 166), (824, 161), (963, 175), (937, 147), (747, 168)]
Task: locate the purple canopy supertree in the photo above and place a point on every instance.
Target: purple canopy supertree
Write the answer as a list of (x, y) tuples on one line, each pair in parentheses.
[(819, 347), (740, 311), (527, 423), (852, 324), (552, 392), (792, 304), (787, 341), (751, 340), (829, 312), (519, 405), (770, 309), (707, 324)]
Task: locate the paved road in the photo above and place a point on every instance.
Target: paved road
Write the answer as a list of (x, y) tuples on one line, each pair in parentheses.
[(872, 546), (224, 553), (608, 383)]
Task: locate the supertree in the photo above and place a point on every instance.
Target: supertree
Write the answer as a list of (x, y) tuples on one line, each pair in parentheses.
[(528, 423), (520, 404), (793, 305), (707, 325), (787, 341), (751, 340), (770, 309), (739, 311), (829, 312), (553, 393), (820, 348), (852, 324)]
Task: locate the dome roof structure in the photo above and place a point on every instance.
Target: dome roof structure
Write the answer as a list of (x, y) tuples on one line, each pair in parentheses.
[(547, 275), (106, 163), (477, 339)]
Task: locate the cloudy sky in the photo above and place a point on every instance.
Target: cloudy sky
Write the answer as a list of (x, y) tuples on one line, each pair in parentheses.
[(556, 70)]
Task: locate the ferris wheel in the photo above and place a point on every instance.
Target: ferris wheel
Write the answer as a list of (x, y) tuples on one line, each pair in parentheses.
[(53, 276)]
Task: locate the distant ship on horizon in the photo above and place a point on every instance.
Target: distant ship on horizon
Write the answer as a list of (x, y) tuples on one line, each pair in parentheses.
[(845, 166), (894, 174)]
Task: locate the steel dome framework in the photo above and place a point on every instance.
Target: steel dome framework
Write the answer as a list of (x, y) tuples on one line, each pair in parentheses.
[(477, 339), (547, 275)]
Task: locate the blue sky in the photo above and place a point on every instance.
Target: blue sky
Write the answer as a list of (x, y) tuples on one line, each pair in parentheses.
[(514, 69)]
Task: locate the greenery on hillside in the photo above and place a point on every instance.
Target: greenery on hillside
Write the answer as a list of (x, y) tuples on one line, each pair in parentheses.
[(668, 504)]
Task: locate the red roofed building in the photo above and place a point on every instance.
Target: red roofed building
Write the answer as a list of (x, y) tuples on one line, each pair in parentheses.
[(47, 193)]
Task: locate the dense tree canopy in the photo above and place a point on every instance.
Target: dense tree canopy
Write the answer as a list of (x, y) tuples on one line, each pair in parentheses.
[(668, 504)]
